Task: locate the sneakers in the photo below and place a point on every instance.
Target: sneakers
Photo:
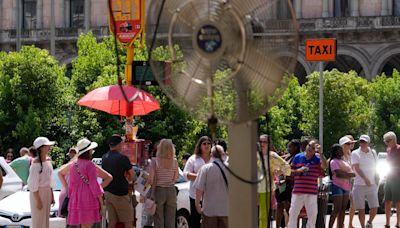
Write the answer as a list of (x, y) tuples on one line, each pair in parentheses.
[(368, 225)]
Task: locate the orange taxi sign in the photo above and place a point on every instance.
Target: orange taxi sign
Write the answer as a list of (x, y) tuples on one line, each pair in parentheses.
[(321, 50)]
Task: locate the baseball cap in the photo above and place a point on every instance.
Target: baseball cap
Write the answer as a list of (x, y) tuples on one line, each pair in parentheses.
[(114, 140), (344, 140), (42, 141), (365, 138)]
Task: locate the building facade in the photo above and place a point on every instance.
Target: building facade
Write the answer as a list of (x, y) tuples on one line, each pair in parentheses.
[(367, 31)]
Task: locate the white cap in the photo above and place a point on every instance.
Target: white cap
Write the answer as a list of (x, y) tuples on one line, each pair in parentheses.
[(364, 138), (42, 141), (344, 140)]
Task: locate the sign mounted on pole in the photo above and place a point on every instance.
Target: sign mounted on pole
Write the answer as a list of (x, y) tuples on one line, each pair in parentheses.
[(129, 19), (321, 50)]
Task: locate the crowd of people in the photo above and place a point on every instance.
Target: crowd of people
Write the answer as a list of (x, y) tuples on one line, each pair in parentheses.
[(290, 187)]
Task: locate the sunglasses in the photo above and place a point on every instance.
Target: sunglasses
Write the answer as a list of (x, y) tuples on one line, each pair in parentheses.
[(265, 142), (206, 143), (348, 144)]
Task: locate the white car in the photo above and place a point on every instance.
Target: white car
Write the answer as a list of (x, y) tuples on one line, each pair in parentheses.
[(11, 181), (15, 211), (183, 204)]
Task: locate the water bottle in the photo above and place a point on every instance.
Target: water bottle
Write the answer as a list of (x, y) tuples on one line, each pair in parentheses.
[(308, 168)]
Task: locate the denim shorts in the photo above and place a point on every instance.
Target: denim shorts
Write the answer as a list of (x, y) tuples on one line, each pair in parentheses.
[(338, 191)]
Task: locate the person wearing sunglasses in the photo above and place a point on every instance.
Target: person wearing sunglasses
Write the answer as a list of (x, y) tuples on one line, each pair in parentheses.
[(352, 211), (200, 157), (9, 155), (392, 186)]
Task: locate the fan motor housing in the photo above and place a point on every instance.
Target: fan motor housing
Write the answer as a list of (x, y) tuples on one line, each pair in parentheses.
[(208, 40)]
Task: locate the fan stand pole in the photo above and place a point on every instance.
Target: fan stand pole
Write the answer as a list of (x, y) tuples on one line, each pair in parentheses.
[(243, 161)]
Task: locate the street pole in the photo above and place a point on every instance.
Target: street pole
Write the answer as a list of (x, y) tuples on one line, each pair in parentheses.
[(18, 25), (321, 105), (52, 30)]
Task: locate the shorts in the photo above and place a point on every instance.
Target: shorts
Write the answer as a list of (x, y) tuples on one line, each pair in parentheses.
[(362, 192), (119, 208), (338, 191), (285, 196)]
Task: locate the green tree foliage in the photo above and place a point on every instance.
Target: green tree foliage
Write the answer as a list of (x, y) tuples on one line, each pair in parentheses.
[(346, 106), (283, 120), (168, 122), (32, 85), (385, 93)]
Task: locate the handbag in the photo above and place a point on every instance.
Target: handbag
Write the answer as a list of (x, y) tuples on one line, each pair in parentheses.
[(64, 207), (150, 205)]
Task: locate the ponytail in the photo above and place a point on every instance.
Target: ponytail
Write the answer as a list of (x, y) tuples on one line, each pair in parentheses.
[(40, 160), (36, 153)]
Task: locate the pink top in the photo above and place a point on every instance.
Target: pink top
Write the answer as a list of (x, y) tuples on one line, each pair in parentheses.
[(344, 183), (38, 180), (83, 206)]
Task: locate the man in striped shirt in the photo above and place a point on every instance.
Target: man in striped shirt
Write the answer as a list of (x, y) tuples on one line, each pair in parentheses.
[(307, 168)]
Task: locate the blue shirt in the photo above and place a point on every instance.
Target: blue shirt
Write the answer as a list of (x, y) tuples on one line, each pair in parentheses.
[(307, 182)]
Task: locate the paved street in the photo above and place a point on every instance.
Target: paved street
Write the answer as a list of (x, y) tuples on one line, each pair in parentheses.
[(379, 221)]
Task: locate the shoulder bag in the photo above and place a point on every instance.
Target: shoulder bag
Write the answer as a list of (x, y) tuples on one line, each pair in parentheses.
[(222, 172)]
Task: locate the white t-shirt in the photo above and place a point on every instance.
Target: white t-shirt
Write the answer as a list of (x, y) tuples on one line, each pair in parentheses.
[(193, 165), (367, 162)]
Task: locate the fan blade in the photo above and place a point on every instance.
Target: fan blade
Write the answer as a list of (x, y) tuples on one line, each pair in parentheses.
[(191, 82), (261, 70)]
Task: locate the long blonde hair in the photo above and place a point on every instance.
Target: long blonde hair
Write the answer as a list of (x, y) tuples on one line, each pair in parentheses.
[(165, 157), (166, 149)]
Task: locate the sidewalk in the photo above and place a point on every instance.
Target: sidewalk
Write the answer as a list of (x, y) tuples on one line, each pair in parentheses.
[(379, 221)]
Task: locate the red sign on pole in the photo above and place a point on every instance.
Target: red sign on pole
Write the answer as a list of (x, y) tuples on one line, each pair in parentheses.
[(128, 19), (321, 50)]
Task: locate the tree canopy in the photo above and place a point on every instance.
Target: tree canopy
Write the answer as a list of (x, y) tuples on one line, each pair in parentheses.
[(36, 98)]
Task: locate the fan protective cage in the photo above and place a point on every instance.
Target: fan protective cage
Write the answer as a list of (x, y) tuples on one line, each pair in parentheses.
[(228, 59)]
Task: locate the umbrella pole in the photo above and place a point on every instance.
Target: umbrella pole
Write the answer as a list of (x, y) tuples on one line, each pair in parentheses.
[(128, 67), (129, 126)]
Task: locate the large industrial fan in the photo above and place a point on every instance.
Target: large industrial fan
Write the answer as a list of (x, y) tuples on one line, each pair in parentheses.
[(230, 60)]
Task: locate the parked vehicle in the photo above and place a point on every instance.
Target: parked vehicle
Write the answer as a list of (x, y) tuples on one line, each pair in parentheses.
[(11, 181), (15, 209), (383, 169)]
